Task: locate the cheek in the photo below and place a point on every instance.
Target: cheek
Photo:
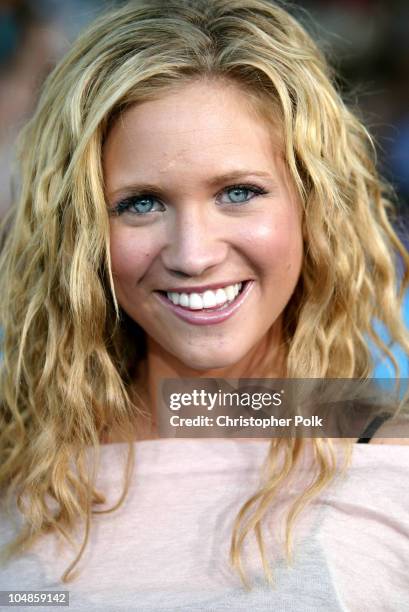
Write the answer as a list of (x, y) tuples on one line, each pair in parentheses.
[(275, 242), (130, 256)]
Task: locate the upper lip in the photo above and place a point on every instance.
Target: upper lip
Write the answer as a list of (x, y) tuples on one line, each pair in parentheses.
[(202, 288)]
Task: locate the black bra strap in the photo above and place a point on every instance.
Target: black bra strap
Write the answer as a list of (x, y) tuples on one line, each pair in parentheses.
[(372, 427)]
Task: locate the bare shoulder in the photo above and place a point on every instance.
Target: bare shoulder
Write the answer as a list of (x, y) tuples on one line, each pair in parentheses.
[(391, 441), (394, 441), (394, 431)]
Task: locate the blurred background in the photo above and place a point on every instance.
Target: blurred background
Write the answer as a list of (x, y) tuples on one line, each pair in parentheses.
[(367, 42)]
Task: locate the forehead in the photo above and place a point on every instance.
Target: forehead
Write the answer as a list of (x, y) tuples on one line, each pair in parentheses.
[(201, 124)]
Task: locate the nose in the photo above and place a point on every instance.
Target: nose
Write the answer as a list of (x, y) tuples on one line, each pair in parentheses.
[(196, 242)]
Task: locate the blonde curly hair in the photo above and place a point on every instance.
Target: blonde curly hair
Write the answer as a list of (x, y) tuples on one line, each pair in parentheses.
[(69, 353)]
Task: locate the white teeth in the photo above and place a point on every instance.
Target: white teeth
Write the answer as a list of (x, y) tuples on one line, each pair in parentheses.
[(221, 297), (195, 301), (208, 299), (231, 292), (183, 299), (175, 297)]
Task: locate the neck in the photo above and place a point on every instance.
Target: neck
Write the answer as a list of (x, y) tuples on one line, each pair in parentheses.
[(265, 360)]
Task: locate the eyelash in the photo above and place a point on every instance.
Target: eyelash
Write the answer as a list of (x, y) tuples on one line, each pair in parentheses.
[(125, 204)]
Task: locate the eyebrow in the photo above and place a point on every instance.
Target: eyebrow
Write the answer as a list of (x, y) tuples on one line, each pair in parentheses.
[(233, 175), (236, 174)]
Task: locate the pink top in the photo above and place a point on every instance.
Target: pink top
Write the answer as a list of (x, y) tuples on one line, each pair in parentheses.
[(166, 547)]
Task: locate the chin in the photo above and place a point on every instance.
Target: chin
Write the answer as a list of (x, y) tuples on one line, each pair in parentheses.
[(213, 361)]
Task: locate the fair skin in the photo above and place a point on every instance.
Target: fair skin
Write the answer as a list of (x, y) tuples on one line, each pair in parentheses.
[(205, 199), (198, 230)]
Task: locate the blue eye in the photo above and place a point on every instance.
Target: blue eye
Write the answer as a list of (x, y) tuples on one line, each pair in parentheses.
[(238, 191), (143, 204), (138, 205)]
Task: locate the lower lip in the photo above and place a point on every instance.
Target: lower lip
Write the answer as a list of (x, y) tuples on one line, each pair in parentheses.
[(207, 317)]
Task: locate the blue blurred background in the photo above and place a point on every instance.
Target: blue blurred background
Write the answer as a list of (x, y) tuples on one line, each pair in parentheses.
[(367, 42)]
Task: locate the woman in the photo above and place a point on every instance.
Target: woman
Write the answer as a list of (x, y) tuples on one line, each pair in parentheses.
[(196, 201)]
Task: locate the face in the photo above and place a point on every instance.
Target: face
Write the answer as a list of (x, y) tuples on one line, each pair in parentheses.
[(205, 226)]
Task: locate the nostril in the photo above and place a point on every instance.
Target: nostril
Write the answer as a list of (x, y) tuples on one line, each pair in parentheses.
[(179, 273)]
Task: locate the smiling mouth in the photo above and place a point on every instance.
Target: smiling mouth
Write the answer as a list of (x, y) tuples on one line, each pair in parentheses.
[(208, 301), (202, 315)]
